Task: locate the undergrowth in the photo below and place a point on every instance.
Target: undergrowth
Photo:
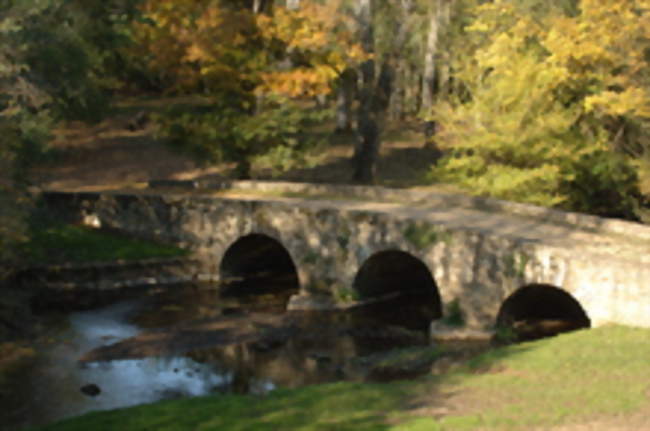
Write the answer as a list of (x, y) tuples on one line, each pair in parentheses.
[(59, 243)]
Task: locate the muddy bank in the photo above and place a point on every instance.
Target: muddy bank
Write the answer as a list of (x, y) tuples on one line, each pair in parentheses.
[(17, 320)]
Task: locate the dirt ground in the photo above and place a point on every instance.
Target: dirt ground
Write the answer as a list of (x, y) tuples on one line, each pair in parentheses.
[(111, 155)]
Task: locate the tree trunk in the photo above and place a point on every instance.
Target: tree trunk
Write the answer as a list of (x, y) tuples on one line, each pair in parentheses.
[(367, 145), (444, 63), (372, 109), (376, 92), (431, 49), (344, 96), (367, 149), (398, 94), (411, 82)]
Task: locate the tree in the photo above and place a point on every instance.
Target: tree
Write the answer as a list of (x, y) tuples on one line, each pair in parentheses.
[(52, 67), (377, 88), (551, 90), (260, 78)]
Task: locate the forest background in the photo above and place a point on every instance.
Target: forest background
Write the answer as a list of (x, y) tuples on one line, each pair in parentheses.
[(545, 102)]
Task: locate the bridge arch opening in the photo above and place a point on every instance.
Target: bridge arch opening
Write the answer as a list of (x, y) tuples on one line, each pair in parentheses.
[(411, 294), (541, 310), (258, 264)]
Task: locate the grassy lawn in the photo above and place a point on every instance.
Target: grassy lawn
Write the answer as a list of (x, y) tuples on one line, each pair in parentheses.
[(586, 376), (59, 243)]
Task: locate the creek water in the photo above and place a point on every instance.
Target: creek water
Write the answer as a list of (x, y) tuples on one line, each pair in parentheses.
[(312, 348)]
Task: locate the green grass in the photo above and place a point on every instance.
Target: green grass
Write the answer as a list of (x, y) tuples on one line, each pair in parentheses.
[(573, 378), (332, 407), (77, 244)]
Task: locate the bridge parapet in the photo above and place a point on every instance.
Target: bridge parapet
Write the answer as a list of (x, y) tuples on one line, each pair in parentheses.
[(426, 196), (476, 258)]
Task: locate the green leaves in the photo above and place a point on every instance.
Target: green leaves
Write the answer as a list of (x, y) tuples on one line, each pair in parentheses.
[(223, 134), (54, 58), (262, 75)]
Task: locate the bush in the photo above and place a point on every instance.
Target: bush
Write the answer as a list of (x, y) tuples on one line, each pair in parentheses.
[(542, 122), (222, 133), (602, 183)]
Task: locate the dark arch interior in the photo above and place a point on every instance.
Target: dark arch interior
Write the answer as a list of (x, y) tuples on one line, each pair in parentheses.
[(541, 310), (258, 264), (396, 271)]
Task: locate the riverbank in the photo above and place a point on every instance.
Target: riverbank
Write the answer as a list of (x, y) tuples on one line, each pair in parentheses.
[(59, 249), (586, 380)]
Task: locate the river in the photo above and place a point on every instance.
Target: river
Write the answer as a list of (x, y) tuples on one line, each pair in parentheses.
[(203, 343)]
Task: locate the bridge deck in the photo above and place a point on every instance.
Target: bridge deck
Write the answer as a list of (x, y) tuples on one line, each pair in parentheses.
[(570, 233), (523, 228)]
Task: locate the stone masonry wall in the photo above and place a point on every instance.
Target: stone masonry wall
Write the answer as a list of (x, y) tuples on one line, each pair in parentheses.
[(329, 242)]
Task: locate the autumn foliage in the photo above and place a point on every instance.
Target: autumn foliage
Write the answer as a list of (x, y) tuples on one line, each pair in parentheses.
[(536, 101), (555, 105), (256, 68)]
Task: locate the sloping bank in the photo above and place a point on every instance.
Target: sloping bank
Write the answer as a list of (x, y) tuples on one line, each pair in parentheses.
[(597, 377), (66, 266)]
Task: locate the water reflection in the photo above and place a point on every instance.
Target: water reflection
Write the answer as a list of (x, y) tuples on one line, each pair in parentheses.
[(136, 381), (51, 389), (301, 349)]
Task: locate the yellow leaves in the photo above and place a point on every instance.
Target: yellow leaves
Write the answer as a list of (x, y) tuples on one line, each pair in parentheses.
[(299, 82), (317, 34), (318, 30), (632, 101), (544, 94), (195, 53), (202, 41), (599, 54), (478, 26)]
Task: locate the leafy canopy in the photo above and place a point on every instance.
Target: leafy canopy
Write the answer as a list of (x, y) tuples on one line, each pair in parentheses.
[(260, 77), (548, 96), (55, 57)]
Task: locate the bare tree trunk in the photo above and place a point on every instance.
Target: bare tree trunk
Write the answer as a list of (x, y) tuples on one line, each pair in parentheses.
[(444, 78), (367, 149), (367, 33), (373, 105), (375, 93), (412, 90), (398, 94), (344, 96), (367, 146), (431, 49)]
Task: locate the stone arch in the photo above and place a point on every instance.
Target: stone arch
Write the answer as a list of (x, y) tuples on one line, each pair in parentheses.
[(395, 271), (258, 263), (541, 310)]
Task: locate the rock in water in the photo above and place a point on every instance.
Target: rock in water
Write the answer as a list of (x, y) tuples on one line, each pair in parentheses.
[(91, 389)]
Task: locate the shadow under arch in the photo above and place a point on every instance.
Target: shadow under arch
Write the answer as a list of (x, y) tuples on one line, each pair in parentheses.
[(417, 301), (541, 310), (257, 263)]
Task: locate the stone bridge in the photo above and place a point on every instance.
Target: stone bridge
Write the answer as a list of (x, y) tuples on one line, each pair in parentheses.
[(489, 260)]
